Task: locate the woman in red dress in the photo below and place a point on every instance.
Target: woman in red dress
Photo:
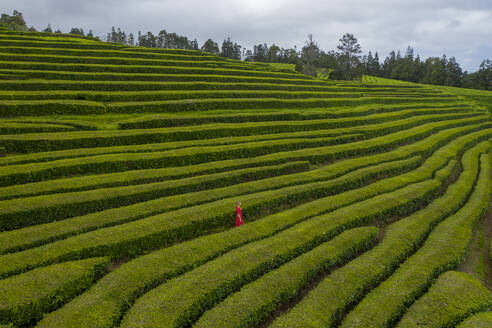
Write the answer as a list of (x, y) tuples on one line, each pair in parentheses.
[(239, 215)]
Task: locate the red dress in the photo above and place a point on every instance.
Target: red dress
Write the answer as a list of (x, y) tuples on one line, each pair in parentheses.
[(239, 216)]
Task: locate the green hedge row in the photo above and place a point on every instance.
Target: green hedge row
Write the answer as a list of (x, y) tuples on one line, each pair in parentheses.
[(27, 173), (174, 51), (102, 53), (139, 69), (54, 35), (259, 299), (453, 297), (127, 178), (74, 124), (20, 128), (169, 138), (240, 103), (135, 96), (153, 121), (71, 85), (342, 122), (155, 268), (208, 289), (445, 249), (152, 147), (87, 139), (56, 44), (327, 304), (95, 76), (108, 60), (111, 163), (36, 234), (239, 267), (130, 61), (27, 297), (21, 212), (48, 107), (38, 38), (481, 320), (178, 225)]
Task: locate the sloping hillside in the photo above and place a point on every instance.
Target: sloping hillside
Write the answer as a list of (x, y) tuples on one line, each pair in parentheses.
[(123, 166)]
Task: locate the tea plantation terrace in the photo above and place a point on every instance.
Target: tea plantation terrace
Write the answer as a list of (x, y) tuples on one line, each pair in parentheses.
[(122, 166)]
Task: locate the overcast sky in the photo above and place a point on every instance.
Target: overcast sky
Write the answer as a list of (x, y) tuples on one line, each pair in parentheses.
[(459, 28)]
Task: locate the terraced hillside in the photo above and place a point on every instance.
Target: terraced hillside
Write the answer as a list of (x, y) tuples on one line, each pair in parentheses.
[(122, 168)]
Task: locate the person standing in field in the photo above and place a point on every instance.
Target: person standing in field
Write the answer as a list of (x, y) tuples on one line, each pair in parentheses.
[(239, 215)]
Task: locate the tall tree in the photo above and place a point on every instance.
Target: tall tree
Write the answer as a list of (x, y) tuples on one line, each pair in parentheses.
[(76, 30), (230, 49), (349, 51), (15, 22), (48, 29), (211, 46), (310, 56)]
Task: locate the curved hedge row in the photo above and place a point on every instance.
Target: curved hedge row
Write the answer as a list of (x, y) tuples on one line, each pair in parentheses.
[(327, 303), (25, 298), (445, 249), (453, 297)]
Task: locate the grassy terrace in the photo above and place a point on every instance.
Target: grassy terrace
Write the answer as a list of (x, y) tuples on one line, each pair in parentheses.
[(121, 167)]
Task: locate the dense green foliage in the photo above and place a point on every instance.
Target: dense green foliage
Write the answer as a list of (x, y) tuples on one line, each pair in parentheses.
[(122, 165)]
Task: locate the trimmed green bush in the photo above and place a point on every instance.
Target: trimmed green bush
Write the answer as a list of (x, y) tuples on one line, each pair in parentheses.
[(327, 304), (86, 139), (137, 177), (14, 108), (26, 211), (481, 320), (18, 239), (211, 282), (148, 271), (25, 173), (453, 297), (27, 297), (20, 128), (109, 76), (260, 298), (153, 121), (19, 49), (445, 249), (29, 66)]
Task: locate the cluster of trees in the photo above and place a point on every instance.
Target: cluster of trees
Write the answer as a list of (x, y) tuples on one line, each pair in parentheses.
[(14, 22), (345, 63), (433, 70)]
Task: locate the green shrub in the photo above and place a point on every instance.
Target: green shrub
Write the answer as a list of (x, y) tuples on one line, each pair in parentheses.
[(481, 320), (445, 249), (66, 67), (26, 211), (27, 297), (453, 297), (27, 237), (148, 271), (20, 128), (337, 293), (260, 298)]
